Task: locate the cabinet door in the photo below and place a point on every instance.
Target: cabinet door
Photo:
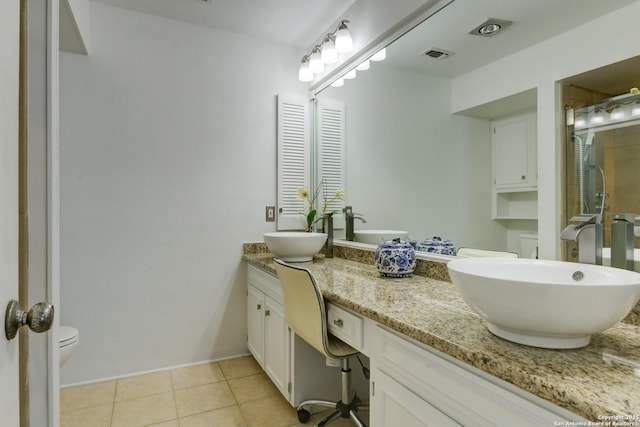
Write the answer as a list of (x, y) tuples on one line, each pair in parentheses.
[(514, 151), (394, 405), (276, 345), (255, 324)]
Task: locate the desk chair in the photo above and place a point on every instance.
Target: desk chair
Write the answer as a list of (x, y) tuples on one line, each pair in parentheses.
[(305, 314)]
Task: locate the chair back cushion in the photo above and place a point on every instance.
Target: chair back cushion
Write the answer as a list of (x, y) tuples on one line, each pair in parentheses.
[(304, 309)]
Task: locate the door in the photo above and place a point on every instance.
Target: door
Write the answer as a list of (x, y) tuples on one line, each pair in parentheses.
[(9, 81)]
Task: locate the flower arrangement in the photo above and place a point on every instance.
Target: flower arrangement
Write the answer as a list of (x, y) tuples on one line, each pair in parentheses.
[(310, 215)]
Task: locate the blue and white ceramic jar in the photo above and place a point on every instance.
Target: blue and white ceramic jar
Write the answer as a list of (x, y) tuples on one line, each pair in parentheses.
[(437, 245), (395, 258)]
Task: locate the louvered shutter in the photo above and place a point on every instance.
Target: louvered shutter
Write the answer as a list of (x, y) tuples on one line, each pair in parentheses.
[(331, 137), (294, 159)]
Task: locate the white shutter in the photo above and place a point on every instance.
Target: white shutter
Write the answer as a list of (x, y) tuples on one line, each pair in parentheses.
[(331, 137), (294, 159)]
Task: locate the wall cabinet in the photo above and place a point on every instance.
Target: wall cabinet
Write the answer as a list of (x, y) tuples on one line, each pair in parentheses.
[(515, 177)]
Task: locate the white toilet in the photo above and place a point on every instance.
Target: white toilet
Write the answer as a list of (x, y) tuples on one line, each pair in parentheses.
[(69, 338)]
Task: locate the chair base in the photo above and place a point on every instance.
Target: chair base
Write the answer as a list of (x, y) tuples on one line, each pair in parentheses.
[(342, 410)]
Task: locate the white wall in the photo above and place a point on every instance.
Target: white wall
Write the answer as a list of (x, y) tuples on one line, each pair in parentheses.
[(167, 161), (606, 40), (411, 164)]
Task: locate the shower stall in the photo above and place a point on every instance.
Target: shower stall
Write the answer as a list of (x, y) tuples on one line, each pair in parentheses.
[(603, 159)]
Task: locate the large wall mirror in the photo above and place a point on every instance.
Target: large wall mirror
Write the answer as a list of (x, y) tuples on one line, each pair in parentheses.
[(413, 165)]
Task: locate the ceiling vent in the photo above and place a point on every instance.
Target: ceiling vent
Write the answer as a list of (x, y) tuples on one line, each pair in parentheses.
[(437, 53)]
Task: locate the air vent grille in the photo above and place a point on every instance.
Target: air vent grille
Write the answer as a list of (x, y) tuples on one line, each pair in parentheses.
[(437, 53)]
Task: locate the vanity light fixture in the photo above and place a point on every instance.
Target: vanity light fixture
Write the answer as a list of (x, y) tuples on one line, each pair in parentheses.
[(315, 61), (304, 72), (344, 43), (338, 83), (617, 113), (597, 118), (339, 41), (635, 110), (328, 52), (364, 65), (379, 55), (490, 27), (351, 74)]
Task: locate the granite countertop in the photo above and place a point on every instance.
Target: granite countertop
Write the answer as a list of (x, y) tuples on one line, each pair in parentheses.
[(432, 312)]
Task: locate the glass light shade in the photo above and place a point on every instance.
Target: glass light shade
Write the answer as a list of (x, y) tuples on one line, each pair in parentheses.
[(315, 62), (580, 122), (338, 83), (329, 54), (617, 114), (363, 66), (350, 74), (304, 73), (597, 118), (635, 110), (344, 44), (380, 55)]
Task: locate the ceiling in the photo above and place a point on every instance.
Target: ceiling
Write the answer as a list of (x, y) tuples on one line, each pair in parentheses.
[(299, 23), (288, 22), (533, 22)]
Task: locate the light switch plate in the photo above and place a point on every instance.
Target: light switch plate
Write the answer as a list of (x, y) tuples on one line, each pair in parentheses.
[(270, 213)]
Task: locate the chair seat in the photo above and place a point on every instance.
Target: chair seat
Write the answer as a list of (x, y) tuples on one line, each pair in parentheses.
[(338, 348)]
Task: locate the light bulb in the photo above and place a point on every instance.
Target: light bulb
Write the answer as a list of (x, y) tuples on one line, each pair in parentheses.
[(315, 62), (338, 83), (635, 111), (350, 74), (329, 54), (344, 44), (363, 66), (580, 122), (379, 55), (304, 73)]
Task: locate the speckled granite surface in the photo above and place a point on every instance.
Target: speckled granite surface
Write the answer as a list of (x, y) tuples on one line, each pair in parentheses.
[(432, 312)]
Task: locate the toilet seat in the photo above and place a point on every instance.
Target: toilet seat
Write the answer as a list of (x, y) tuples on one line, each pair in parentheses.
[(68, 335)]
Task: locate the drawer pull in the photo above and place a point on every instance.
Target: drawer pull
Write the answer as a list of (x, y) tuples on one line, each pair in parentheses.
[(259, 307), (338, 322), (267, 312)]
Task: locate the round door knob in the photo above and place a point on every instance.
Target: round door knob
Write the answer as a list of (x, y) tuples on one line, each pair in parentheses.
[(38, 319)]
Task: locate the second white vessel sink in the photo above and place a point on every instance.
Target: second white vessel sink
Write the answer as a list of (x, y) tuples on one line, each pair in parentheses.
[(550, 304)]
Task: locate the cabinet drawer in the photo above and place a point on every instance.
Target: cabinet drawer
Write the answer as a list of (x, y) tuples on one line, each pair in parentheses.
[(345, 325)]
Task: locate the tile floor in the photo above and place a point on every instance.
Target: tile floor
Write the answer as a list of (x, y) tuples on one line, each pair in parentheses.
[(229, 393)]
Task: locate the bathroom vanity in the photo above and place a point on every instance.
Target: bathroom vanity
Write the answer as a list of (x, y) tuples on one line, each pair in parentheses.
[(432, 358)]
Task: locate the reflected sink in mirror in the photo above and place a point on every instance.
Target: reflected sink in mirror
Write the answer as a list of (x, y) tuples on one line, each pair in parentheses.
[(294, 246), (374, 237), (549, 304)]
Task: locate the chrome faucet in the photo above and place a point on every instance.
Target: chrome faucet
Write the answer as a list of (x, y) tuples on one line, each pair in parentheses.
[(349, 218), (586, 229)]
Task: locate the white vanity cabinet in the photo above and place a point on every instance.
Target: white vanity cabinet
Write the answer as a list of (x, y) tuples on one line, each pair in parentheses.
[(267, 332), (298, 370), (422, 387), (515, 176)]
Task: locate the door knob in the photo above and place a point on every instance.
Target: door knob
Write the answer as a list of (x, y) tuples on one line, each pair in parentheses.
[(38, 319)]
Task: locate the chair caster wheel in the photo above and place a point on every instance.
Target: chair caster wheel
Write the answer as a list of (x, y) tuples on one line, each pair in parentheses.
[(303, 415)]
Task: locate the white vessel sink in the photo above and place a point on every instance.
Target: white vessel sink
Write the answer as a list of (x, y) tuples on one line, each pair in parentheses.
[(550, 304), (375, 236), (295, 246)]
